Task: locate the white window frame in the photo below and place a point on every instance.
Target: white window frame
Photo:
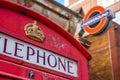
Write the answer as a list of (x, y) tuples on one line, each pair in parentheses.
[(106, 3)]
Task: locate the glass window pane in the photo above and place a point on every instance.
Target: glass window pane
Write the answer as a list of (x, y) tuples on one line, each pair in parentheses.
[(117, 17), (60, 1), (106, 3)]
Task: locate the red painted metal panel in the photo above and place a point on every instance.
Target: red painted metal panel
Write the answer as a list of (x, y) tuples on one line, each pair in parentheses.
[(13, 19), (17, 72)]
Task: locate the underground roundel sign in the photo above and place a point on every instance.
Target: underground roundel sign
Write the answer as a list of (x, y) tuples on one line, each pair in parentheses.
[(97, 20)]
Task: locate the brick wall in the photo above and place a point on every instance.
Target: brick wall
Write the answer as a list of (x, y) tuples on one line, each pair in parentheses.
[(100, 64), (115, 7)]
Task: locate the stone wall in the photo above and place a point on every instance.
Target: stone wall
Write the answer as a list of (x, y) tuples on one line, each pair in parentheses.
[(69, 20)]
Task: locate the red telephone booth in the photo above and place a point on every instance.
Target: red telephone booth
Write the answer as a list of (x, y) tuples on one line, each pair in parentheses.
[(34, 47)]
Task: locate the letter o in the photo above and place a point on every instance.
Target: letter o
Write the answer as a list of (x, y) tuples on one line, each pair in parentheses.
[(51, 57)]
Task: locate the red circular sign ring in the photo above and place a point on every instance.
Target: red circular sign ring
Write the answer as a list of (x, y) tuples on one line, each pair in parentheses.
[(101, 24)]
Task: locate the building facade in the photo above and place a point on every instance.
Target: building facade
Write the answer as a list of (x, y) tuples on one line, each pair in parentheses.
[(104, 48)]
